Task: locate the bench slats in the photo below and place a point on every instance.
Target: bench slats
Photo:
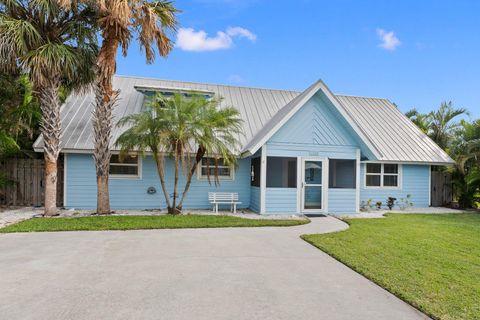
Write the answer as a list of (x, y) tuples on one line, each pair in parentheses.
[(217, 198)]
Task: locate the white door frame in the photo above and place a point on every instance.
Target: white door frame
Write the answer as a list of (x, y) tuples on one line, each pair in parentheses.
[(301, 183)]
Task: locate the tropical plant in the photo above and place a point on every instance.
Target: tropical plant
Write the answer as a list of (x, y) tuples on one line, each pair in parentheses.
[(119, 21), (421, 120), (186, 128), (53, 47), (466, 172), (20, 115), (442, 126)]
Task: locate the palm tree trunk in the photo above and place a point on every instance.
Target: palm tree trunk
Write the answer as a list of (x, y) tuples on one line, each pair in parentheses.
[(173, 209), (198, 158), (102, 126), (106, 99), (161, 173), (51, 129)]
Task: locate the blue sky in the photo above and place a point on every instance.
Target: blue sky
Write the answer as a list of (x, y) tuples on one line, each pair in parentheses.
[(415, 53)]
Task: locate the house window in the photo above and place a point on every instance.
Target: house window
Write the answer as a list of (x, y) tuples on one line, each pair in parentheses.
[(207, 168), (382, 175), (342, 174), (127, 167), (281, 172)]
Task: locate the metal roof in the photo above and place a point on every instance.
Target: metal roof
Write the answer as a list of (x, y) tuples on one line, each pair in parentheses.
[(394, 136)]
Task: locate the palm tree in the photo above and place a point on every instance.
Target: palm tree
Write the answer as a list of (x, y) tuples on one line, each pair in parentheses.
[(53, 47), (442, 125), (118, 21), (181, 127), (421, 120)]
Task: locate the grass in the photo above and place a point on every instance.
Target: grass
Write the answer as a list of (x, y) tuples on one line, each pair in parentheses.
[(142, 222), (430, 261)]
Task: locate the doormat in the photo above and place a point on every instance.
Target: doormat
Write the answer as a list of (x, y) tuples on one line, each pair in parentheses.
[(315, 215)]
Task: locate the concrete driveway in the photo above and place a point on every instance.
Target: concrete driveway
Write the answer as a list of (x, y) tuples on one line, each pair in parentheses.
[(232, 273)]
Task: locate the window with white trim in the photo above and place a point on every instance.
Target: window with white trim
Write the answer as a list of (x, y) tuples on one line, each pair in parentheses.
[(126, 167), (382, 175), (207, 168)]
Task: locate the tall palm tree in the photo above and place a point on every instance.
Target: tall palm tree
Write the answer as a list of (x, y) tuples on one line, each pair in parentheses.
[(119, 21), (187, 129), (54, 47), (441, 123)]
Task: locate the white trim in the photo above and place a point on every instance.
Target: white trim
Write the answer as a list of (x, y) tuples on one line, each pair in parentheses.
[(326, 177), (65, 180), (399, 174), (429, 186), (126, 176), (299, 183), (201, 177), (263, 179), (357, 182)]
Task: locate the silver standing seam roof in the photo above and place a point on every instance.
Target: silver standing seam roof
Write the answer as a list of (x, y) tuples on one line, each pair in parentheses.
[(386, 129)]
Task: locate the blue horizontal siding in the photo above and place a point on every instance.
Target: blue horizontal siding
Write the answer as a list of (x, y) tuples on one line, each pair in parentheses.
[(132, 193), (255, 199), (341, 200), (281, 200), (415, 181)]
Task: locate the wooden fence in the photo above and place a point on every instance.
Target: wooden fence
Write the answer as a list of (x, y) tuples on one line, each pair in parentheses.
[(27, 182), (442, 188)]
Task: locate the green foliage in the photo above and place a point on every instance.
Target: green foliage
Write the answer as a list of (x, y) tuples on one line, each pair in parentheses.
[(430, 261), (45, 41), (143, 222), (19, 115)]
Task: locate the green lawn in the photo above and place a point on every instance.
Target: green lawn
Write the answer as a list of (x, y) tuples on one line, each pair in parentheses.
[(142, 222), (431, 261)]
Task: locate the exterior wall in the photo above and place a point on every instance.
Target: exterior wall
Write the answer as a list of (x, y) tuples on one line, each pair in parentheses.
[(281, 200), (132, 193), (340, 200), (414, 181), (255, 199)]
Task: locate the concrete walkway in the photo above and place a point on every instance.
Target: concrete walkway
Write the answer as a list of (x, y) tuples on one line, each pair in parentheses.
[(231, 273)]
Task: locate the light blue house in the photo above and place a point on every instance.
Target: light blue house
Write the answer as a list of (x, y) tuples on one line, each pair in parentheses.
[(303, 152)]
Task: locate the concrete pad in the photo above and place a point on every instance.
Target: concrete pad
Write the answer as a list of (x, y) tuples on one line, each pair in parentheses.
[(230, 273)]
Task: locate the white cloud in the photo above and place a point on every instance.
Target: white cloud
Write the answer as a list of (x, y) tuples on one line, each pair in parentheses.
[(190, 40), (389, 40), (241, 32)]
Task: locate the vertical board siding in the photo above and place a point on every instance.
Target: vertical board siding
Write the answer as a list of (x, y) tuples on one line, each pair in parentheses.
[(26, 185), (414, 182), (255, 199), (341, 200), (132, 193), (281, 200)]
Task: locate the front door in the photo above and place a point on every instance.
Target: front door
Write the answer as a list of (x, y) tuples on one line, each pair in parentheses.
[(312, 184)]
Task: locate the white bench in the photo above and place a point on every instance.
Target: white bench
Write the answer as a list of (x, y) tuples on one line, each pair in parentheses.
[(230, 198)]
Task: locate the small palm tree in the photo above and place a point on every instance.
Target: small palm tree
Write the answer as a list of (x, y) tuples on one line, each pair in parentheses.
[(187, 129), (53, 47)]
